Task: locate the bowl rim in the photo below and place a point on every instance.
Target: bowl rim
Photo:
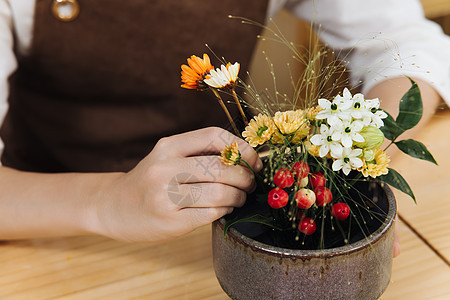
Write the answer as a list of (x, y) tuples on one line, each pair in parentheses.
[(331, 252)]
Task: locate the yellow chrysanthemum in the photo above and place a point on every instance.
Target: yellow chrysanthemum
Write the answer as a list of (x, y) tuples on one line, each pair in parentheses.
[(378, 166), (312, 149), (291, 122), (259, 130), (312, 112), (231, 155)]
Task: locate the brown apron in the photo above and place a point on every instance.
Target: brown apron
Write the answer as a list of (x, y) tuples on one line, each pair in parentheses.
[(97, 93)]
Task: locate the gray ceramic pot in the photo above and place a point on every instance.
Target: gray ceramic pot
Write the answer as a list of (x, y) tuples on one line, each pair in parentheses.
[(248, 269)]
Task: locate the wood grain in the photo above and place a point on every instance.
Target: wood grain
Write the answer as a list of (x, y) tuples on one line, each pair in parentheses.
[(431, 185), (98, 268)]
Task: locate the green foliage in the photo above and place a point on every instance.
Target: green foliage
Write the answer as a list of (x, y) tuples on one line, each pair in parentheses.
[(415, 149), (391, 129), (394, 179), (410, 113), (410, 108)]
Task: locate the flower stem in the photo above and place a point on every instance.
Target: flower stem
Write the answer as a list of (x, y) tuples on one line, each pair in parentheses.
[(244, 118), (259, 179), (226, 111)]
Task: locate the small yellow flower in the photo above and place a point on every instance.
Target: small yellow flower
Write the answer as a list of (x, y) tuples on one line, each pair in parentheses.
[(231, 155), (290, 123), (378, 166), (259, 130), (192, 75), (312, 112), (226, 76), (312, 149)]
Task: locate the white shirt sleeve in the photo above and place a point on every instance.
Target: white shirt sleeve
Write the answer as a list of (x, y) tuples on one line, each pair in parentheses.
[(8, 62), (388, 38)]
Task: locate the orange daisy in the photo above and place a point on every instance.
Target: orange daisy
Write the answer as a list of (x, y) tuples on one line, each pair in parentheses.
[(192, 75)]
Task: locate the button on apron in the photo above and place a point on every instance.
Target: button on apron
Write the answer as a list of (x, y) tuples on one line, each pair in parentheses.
[(65, 10)]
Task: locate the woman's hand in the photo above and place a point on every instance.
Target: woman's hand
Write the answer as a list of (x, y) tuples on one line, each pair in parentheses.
[(178, 187)]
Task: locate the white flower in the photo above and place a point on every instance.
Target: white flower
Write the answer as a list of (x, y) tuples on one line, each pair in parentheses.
[(346, 132), (225, 76), (377, 118), (348, 160), (359, 109), (336, 110), (375, 115), (346, 97), (325, 141)]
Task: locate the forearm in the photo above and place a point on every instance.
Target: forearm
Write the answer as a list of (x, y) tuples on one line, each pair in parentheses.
[(42, 205), (391, 91)]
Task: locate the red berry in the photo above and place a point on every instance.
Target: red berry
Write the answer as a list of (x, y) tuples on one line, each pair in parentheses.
[(323, 196), (307, 226), (300, 169), (340, 211), (283, 178), (302, 182), (305, 198), (277, 198), (316, 179)]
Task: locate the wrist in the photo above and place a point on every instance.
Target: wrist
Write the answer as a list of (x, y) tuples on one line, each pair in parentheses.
[(99, 201)]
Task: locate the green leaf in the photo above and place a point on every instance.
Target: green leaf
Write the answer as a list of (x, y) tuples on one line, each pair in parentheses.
[(415, 149), (410, 107), (390, 129), (394, 179), (254, 219)]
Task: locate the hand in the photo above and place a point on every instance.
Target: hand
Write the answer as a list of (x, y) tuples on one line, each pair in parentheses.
[(179, 186)]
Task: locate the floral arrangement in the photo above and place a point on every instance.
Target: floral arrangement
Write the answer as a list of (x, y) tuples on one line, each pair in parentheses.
[(315, 157)]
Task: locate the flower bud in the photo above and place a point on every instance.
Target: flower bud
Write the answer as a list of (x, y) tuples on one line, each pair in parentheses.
[(373, 138), (368, 155)]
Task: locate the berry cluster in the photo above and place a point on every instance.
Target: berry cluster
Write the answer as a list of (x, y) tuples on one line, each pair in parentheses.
[(308, 190)]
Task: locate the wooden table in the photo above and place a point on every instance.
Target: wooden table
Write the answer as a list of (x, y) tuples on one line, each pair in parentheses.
[(99, 268)]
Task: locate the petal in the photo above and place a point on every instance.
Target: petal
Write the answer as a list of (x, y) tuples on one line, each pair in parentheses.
[(347, 94), (355, 152), (346, 140), (358, 138), (324, 150), (336, 150), (324, 129), (333, 119), (357, 114), (336, 136), (356, 162), (337, 165), (357, 126), (317, 139), (324, 103), (346, 169)]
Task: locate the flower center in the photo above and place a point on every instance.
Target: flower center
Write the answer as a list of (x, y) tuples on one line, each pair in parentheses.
[(261, 131), (373, 110), (357, 105), (346, 160), (329, 139), (334, 106), (347, 130)]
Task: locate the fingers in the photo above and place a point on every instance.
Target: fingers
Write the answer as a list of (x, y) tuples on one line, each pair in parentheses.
[(211, 169), (196, 217), (206, 141), (204, 195)]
